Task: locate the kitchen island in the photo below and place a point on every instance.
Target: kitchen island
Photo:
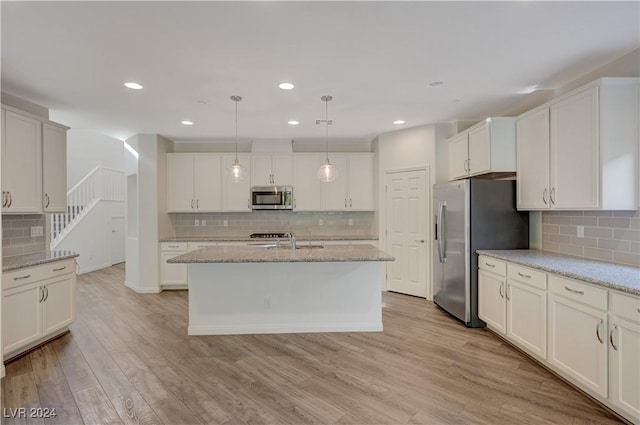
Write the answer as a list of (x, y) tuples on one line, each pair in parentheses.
[(257, 289)]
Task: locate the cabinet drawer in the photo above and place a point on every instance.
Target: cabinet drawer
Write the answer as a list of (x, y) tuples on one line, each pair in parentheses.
[(578, 291), (625, 306), (492, 265), (173, 246), (526, 275), (28, 275), (197, 245)]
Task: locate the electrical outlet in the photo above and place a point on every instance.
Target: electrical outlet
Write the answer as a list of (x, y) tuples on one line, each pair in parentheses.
[(350, 222), (203, 222), (197, 223), (36, 231), (267, 303), (321, 222), (225, 223), (581, 231)]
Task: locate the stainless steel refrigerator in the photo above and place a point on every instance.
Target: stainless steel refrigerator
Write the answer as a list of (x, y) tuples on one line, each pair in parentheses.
[(470, 215)]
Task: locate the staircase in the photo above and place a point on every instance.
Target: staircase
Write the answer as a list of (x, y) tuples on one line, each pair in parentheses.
[(101, 184)]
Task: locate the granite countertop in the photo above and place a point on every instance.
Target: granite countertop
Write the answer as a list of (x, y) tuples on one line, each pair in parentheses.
[(615, 276), (283, 254), (28, 260), (299, 236)]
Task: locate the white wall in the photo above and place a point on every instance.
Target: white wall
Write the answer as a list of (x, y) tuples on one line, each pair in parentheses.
[(88, 149)]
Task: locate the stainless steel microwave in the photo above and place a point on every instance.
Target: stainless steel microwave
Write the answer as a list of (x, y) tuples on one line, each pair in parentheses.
[(272, 198)]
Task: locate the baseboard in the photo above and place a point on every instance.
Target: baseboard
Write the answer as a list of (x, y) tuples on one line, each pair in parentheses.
[(94, 268), (174, 286), (140, 290), (284, 329)]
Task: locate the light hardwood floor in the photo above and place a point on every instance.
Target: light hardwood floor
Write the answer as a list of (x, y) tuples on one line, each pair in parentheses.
[(128, 360)]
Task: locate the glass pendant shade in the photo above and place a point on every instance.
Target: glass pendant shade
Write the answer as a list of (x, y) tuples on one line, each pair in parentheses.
[(235, 172), (327, 172)]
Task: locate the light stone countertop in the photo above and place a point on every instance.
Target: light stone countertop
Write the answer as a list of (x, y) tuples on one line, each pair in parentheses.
[(609, 275), (282, 254), (29, 260), (299, 236)]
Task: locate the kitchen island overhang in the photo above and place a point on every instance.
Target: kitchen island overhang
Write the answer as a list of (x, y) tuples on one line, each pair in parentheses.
[(256, 290)]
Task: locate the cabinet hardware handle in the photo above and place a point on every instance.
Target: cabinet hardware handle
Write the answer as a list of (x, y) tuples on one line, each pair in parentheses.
[(249, 203), (294, 202), (598, 331), (350, 203), (506, 292), (552, 195), (465, 166), (345, 202), (46, 196), (639, 310), (469, 165), (174, 246), (544, 196), (27, 276), (615, 328), (197, 203), (528, 276), (46, 297), (192, 204), (489, 265), (41, 294), (420, 240), (59, 269), (10, 200), (502, 290), (574, 291)]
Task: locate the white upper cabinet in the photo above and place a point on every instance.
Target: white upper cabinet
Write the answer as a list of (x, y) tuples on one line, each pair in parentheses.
[(54, 168), (235, 195), (271, 170), (336, 193), (590, 137), (307, 187), (193, 183), (487, 147), (353, 190)]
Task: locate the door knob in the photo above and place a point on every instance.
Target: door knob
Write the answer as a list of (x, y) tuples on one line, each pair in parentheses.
[(421, 240)]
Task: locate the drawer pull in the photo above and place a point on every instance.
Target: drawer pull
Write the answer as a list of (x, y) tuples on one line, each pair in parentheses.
[(615, 328), (528, 276), (27, 276), (59, 269), (489, 265), (174, 246), (598, 331), (574, 291)]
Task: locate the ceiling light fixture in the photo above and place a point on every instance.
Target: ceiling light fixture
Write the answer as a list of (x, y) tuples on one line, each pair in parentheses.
[(186, 122), (398, 122), (133, 86), (286, 86), (327, 171), (235, 171), (293, 122), (436, 84)]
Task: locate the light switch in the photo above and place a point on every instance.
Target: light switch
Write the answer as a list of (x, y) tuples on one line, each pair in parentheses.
[(197, 223)]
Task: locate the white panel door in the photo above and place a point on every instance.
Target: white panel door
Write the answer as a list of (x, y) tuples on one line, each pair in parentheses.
[(21, 316), (54, 168), (22, 163), (261, 170), (235, 195), (458, 156), (624, 363), (180, 183), (361, 183), (307, 187), (575, 151), (282, 170), (406, 220), (207, 183), (58, 305), (532, 161), (117, 240), (479, 150), (492, 305), (527, 317), (335, 193)]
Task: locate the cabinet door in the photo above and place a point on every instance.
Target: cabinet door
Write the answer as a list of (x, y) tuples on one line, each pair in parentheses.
[(458, 156), (480, 150), (261, 170), (173, 274), (207, 183), (22, 163), (527, 317), (624, 372), (532, 161), (54, 168), (282, 170), (361, 178), (492, 305), (307, 189), (58, 306), (577, 348), (180, 183), (235, 195), (335, 193), (21, 320), (575, 151)]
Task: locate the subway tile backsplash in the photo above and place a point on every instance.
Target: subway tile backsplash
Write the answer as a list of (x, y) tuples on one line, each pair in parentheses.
[(612, 236), (16, 235), (300, 223)]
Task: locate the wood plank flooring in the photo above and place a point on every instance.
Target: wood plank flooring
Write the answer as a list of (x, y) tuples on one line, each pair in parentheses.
[(128, 360)]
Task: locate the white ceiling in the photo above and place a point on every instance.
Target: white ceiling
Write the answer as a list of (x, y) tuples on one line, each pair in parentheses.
[(375, 58)]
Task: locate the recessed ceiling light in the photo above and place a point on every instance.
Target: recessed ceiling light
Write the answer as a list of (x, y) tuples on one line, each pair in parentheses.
[(436, 84), (186, 122), (133, 86), (293, 122), (286, 86), (398, 122)]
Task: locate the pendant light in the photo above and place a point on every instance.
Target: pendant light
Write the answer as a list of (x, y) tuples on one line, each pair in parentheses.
[(327, 171), (235, 172)]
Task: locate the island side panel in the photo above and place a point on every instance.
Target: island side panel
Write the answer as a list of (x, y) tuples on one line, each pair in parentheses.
[(252, 298)]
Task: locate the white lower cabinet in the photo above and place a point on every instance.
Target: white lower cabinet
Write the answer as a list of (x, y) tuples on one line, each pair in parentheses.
[(38, 303), (492, 304), (173, 276), (527, 317)]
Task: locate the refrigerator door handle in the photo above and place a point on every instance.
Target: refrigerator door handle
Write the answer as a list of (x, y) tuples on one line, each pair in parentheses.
[(440, 232)]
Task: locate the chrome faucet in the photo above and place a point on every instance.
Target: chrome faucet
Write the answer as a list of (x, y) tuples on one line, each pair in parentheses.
[(292, 239)]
